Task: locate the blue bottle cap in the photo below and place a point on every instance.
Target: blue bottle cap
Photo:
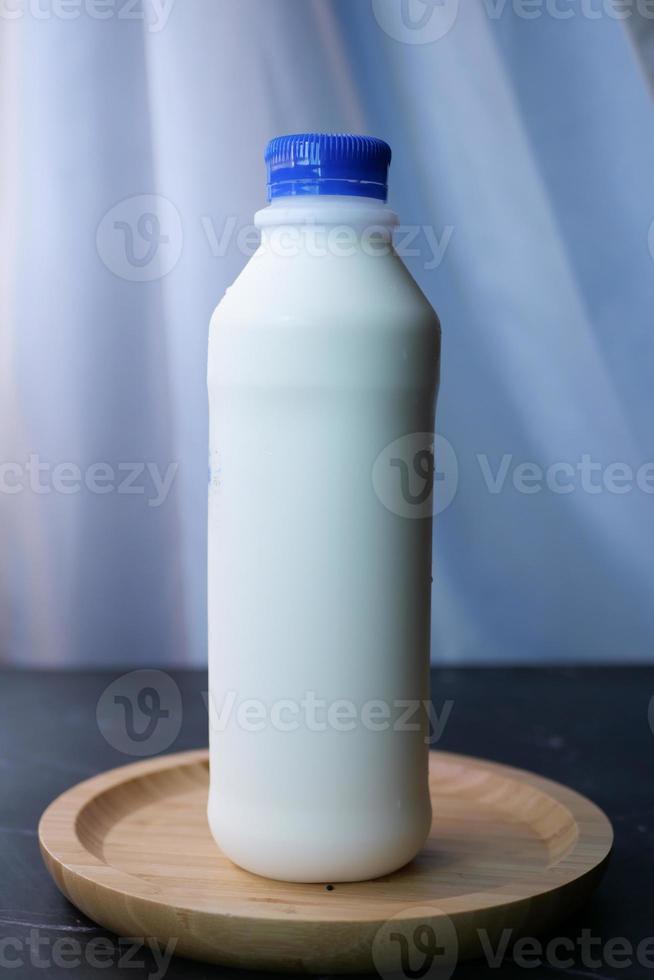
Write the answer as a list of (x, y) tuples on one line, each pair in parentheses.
[(327, 163)]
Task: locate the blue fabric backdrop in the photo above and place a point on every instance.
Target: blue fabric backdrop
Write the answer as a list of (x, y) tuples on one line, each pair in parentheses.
[(523, 145)]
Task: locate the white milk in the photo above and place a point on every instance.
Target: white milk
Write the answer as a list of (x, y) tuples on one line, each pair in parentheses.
[(322, 353)]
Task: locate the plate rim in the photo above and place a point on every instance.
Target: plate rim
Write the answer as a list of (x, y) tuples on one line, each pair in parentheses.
[(57, 830)]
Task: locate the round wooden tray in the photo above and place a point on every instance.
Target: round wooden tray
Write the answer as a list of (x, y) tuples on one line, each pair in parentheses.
[(508, 850)]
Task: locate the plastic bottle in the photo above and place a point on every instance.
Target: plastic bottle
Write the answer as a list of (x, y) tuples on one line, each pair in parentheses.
[(321, 354)]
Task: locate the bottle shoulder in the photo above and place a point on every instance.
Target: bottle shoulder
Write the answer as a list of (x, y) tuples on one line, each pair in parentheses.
[(307, 288), (325, 325)]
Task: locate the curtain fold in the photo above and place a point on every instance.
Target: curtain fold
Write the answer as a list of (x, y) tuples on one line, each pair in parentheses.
[(522, 158)]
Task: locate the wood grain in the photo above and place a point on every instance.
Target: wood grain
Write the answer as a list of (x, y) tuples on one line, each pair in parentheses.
[(508, 849)]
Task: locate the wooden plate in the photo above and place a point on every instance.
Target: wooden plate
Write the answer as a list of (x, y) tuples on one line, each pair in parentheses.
[(508, 850)]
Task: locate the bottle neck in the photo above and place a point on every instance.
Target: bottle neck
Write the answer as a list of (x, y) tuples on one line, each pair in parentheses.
[(358, 213)]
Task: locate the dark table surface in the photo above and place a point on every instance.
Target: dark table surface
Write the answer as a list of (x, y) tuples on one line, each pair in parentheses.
[(590, 728)]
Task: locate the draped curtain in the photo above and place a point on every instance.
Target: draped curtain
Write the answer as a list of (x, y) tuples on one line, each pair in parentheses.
[(523, 154)]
